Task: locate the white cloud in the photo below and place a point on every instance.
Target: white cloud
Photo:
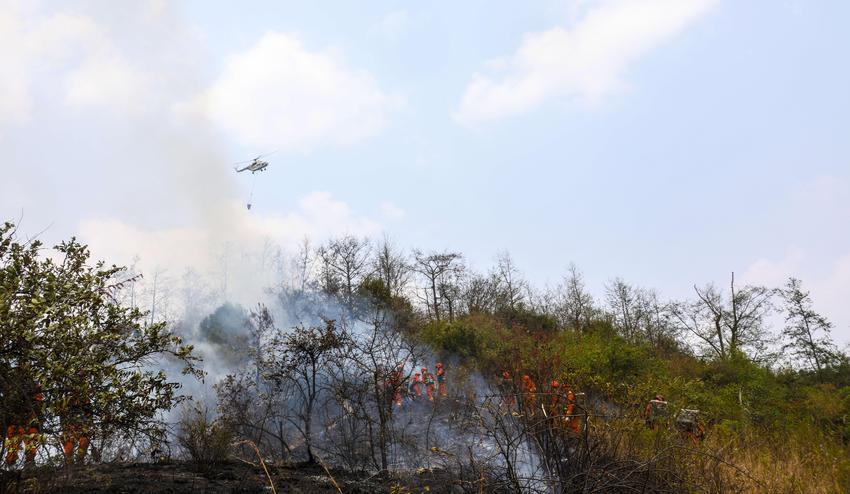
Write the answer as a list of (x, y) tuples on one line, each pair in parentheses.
[(393, 24), (66, 53), (108, 83), (15, 103), (279, 95), (775, 273), (391, 211), (15, 98), (119, 242), (318, 216), (242, 238), (585, 61)]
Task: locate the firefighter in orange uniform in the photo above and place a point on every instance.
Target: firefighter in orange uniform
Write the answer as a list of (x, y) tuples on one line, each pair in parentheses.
[(25, 427), (506, 387), (441, 379), (555, 398), (395, 384), (415, 389), (428, 379), (76, 433), (529, 394), (572, 415), (556, 405), (655, 408)]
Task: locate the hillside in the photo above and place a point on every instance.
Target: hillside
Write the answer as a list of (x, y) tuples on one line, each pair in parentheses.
[(493, 385)]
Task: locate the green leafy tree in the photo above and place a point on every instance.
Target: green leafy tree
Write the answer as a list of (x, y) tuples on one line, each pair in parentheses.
[(806, 332), (61, 326)]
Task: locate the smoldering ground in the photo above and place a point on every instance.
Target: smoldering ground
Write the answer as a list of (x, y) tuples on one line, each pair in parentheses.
[(454, 432)]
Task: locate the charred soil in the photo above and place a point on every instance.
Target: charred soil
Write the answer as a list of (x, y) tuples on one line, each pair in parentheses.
[(180, 477)]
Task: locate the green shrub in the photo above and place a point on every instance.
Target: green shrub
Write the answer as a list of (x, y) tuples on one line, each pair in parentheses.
[(462, 337)]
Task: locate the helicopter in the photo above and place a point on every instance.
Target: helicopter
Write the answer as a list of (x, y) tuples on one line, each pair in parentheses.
[(254, 165)]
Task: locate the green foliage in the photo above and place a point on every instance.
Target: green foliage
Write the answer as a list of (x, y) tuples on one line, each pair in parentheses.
[(529, 319), (598, 356), (460, 338), (742, 390), (63, 329), (806, 332), (375, 297)]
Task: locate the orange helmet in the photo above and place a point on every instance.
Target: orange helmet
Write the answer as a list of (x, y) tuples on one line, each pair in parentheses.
[(525, 377), (554, 383)]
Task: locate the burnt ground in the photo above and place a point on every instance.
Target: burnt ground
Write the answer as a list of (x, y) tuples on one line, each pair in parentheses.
[(178, 478)]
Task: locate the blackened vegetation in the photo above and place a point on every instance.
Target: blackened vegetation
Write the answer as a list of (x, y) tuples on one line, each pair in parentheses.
[(233, 477)]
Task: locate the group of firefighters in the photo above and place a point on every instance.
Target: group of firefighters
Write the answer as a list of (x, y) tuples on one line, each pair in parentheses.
[(559, 403), (23, 425), (432, 384)]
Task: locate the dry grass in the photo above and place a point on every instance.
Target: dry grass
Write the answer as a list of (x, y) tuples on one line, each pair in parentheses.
[(804, 462)]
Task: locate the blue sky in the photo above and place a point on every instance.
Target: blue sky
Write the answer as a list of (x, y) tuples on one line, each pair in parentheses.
[(669, 142)]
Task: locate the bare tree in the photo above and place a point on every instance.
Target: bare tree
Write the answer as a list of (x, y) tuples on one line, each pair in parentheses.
[(511, 288), (638, 314), (300, 266), (479, 293), (256, 412), (450, 295), (255, 408), (391, 266), (625, 308), (376, 364), (298, 292), (657, 320), (575, 306), (196, 296), (440, 271), (347, 415), (728, 326), (160, 296), (299, 358), (345, 263)]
